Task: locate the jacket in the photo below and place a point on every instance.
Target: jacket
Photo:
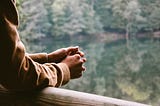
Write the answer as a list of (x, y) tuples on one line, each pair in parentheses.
[(20, 71)]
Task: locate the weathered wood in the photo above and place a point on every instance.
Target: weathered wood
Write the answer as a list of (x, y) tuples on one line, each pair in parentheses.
[(59, 97)]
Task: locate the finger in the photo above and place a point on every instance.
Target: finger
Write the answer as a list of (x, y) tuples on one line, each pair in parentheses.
[(84, 59), (76, 48), (80, 64), (77, 56), (72, 50), (80, 53), (83, 68)]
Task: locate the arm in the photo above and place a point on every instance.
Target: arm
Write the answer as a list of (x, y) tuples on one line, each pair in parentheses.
[(55, 56), (21, 71), (39, 57)]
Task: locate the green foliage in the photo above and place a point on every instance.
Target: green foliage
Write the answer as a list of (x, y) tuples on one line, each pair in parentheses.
[(63, 18), (72, 17), (34, 23), (149, 10), (133, 70), (68, 17)]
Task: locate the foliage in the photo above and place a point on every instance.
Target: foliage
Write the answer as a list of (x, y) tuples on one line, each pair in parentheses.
[(72, 17), (131, 67), (34, 23), (69, 18)]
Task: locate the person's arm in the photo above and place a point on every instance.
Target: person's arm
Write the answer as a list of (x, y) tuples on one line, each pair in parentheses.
[(55, 56), (20, 71), (39, 57)]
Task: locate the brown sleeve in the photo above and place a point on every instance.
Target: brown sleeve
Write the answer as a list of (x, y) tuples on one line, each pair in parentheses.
[(33, 74), (39, 57), (18, 70)]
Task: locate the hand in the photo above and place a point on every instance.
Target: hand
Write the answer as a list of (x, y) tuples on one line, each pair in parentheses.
[(74, 50), (75, 64), (57, 56), (60, 54)]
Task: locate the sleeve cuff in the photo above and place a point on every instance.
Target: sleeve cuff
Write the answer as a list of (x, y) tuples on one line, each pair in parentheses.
[(65, 73)]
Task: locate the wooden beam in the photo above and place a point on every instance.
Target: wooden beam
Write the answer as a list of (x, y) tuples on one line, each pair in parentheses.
[(59, 97)]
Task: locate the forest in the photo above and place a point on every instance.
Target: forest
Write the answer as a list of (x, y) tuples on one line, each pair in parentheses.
[(120, 38)]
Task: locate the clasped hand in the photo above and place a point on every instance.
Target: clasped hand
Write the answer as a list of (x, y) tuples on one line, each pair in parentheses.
[(72, 57)]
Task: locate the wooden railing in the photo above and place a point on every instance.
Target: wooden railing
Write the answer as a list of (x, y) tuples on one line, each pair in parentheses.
[(59, 97)]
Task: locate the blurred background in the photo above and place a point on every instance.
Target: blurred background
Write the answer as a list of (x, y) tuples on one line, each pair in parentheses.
[(121, 40)]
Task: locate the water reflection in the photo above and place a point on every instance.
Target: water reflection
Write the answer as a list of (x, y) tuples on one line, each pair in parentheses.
[(117, 71)]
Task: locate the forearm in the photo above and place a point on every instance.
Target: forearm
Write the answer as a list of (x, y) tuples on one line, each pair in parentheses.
[(39, 57), (53, 57), (34, 75)]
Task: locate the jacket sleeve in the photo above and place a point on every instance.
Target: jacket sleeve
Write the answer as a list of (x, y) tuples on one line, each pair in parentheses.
[(39, 57), (21, 71)]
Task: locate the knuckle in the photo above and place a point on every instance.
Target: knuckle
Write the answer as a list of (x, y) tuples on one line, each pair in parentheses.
[(84, 59), (77, 56)]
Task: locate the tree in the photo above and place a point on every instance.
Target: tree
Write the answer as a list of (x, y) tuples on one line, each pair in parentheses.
[(129, 12), (150, 10), (72, 17), (133, 73), (34, 23)]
